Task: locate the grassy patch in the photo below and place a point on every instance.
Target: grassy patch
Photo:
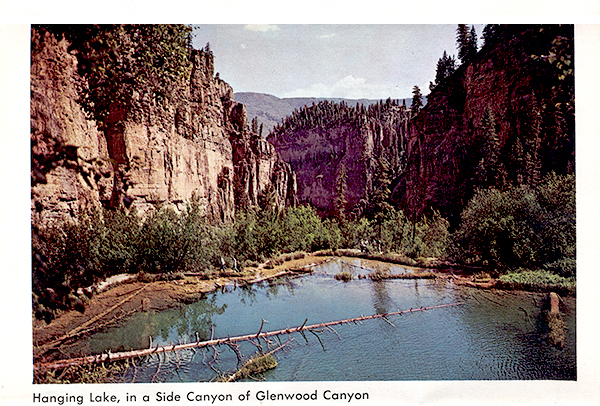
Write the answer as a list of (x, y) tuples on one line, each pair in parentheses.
[(256, 365), (292, 255), (384, 257), (88, 373), (538, 281), (379, 275)]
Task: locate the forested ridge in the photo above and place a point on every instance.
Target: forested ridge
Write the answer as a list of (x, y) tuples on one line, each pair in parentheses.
[(482, 174)]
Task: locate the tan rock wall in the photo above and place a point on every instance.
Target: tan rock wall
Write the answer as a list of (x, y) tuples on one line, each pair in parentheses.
[(162, 154)]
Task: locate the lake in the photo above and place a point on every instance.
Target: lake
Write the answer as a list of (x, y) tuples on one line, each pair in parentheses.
[(492, 335)]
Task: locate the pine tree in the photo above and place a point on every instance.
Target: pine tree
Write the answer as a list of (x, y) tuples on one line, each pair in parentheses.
[(381, 209), (417, 101), (488, 171), (472, 43), (533, 145), (466, 40), (446, 65), (462, 40), (517, 159), (492, 34)]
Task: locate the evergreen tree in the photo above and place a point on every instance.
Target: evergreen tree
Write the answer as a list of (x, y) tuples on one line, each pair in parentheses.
[(472, 43), (492, 34), (467, 42), (517, 160), (533, 145), (462, 40), (381, 208), (341, 187), (488, 171), (446, 65), (417, 101)]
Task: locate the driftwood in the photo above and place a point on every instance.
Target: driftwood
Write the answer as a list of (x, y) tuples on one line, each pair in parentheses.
[(554, 300), (219, 341)]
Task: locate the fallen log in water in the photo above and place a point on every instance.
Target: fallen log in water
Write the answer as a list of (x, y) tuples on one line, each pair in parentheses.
[(220, 341)]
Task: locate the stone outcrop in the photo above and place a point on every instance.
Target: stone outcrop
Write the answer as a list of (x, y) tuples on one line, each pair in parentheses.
[(162, 154), (520, 80), (531, 100), (317, 152)]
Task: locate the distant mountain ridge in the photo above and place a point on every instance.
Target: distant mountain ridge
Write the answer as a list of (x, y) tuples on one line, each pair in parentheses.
[(269, 109)]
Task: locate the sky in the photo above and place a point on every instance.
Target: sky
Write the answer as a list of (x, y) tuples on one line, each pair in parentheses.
[(346, 61)]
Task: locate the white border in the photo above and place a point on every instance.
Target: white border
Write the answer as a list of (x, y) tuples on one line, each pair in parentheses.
[(15, 341)]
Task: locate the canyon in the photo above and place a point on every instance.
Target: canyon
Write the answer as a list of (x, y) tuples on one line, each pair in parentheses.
[(505, 117)]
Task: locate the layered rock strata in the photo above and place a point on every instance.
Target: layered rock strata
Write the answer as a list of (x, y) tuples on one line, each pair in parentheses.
[(161, 154)]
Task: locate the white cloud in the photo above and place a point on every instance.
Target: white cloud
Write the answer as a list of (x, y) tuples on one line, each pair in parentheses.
[(261, 27), (349, 87)]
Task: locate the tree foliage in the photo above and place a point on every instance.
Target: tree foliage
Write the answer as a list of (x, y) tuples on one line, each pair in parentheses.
[(446, 66), (417, 100), (327, 114), (127, 64), (490, 171), (466, 40), (340, 201), (521, 227)]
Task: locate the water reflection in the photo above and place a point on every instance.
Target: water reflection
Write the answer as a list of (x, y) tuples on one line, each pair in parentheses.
[(494, 335), (187, 323), (381, 298)]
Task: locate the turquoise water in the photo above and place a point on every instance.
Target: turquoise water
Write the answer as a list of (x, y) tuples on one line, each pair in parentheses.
[(494, 335)]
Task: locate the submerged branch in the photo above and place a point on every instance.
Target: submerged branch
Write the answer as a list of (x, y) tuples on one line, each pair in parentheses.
[(220, 341)]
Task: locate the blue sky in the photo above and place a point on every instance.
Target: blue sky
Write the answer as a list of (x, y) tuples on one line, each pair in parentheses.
[(349, 61)]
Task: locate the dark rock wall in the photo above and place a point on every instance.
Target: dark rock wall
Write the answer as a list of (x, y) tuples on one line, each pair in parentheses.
[(532, 107)]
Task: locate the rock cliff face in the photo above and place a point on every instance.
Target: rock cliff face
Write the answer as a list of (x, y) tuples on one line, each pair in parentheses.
[(357, 141), (504, 118), (531, 100), (163, 154)]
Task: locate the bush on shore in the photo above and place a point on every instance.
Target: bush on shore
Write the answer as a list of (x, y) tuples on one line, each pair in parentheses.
[(530, 227), (537, 281)]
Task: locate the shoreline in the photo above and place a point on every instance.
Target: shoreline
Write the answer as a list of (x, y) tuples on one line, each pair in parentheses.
[(120, 300)]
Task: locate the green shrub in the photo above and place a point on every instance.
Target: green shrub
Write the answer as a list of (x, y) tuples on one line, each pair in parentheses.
[(65, 257), (522, 226), (378, 275), (174, 242)]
